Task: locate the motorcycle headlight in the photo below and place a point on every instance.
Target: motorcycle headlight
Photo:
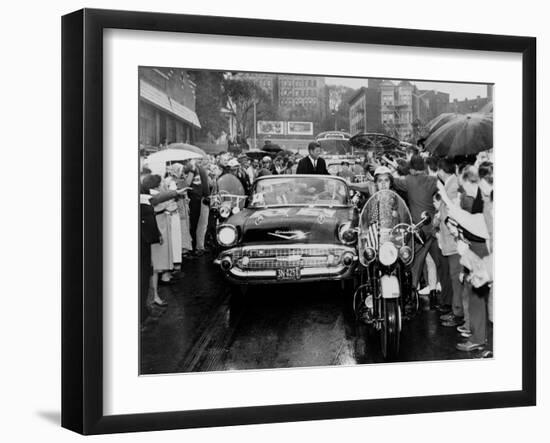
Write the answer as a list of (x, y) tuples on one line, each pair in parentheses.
[(227, 235), (387, 254), (405, 254), (347, 234), (225, 211)]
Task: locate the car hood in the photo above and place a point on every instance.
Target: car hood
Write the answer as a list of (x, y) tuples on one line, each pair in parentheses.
[(287, 225)]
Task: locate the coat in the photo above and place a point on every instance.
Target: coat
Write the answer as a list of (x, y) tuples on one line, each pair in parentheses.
[(306, 167)]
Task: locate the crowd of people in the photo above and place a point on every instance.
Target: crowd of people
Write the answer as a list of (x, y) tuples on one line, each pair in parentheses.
[(455, 262), (456, 258)]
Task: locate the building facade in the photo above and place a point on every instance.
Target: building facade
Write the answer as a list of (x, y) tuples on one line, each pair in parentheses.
[(428, 104), (365, 110), (166, 108), (296, 97), (468, 105), (397, 113)]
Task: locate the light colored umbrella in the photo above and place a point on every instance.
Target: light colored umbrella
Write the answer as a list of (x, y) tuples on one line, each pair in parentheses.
[(187, 147), (464, 134), (158, 161)]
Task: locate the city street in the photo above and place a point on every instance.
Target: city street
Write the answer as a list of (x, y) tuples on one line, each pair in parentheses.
[(206, 328)]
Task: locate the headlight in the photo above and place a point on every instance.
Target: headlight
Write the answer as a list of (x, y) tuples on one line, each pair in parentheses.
[(236, 210), (405, 254), (387, 254), (346, 234), (225, 211), (227, 235)]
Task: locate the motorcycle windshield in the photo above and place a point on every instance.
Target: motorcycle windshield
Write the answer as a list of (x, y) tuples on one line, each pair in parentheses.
[(230, 189), (385, 217)]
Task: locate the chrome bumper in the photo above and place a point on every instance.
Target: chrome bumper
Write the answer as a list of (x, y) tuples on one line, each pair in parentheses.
[(258, 264)]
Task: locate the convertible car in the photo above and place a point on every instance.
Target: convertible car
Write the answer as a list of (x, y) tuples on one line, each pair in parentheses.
[(294, 228)]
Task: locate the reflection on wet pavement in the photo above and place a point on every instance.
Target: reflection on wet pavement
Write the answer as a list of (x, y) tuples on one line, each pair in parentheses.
[(207, 328)]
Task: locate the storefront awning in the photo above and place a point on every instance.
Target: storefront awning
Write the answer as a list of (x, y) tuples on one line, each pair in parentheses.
[(163, 101)]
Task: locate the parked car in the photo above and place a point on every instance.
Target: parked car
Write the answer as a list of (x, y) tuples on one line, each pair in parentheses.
[(294, 228)]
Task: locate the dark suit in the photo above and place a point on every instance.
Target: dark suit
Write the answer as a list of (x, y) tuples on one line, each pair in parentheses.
[(420, 189), (306, 167)]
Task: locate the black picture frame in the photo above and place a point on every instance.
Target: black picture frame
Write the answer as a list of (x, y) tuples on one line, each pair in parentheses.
[(82, 260)]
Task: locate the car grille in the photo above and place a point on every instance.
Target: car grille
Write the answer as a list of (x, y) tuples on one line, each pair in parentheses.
[(306, 256)]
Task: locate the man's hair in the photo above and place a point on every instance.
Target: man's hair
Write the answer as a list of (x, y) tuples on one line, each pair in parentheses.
[(150, 181), (145, 170), (432, 163), (446, 165), (417, 163), (485, 172), (403, 167), (312, 146)]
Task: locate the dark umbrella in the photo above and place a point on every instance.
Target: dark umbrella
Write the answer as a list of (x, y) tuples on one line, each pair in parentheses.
[(272, 148), (372, 141), (465, 134), (440, 120), (255, 153)]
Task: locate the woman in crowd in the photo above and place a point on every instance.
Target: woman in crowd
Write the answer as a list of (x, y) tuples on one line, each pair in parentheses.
[(166, 255), (155, 238), (475, 297)]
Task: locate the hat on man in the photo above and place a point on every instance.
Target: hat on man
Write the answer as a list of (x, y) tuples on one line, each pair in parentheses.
[(233, 163), (267, 158)]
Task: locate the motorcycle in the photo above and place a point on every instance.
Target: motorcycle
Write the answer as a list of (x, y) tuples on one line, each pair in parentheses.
[(229, 199), (386, 242)]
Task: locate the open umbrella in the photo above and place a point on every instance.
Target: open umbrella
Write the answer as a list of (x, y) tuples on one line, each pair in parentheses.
[(187, 147), (372, 141), (255, 153), (272, 148), (465, 134), (440, 120), (158, 161)]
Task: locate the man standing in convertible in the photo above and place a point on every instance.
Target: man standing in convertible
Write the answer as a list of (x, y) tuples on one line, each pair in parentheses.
[(313, 163)]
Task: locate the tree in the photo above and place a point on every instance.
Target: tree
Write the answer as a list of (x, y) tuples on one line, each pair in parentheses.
[(210, 99), (242, 95), (338, 97)]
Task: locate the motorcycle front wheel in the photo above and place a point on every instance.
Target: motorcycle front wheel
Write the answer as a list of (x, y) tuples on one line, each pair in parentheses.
[(390, 332)]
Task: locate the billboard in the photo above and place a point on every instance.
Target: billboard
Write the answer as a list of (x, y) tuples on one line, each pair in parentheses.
[(271, 127), (299, 128)]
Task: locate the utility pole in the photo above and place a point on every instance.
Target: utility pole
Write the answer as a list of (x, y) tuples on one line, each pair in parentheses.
[(255, 126)]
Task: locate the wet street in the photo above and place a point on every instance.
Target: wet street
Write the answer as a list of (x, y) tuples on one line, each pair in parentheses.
[(206, 328)]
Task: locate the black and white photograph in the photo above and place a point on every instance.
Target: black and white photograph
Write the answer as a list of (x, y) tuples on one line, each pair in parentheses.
[(294, 221)]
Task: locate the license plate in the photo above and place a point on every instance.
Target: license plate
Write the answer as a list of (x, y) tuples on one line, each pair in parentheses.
[(289, 274)]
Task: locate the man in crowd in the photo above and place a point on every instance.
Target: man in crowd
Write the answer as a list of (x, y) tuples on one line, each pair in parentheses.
[(346, 173), (313, 163), (446, 173), (420, 189), (198, 198), (266, 168), (278, 165)]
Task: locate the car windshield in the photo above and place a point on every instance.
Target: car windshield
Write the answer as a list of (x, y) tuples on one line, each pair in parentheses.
[(299, 191)]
